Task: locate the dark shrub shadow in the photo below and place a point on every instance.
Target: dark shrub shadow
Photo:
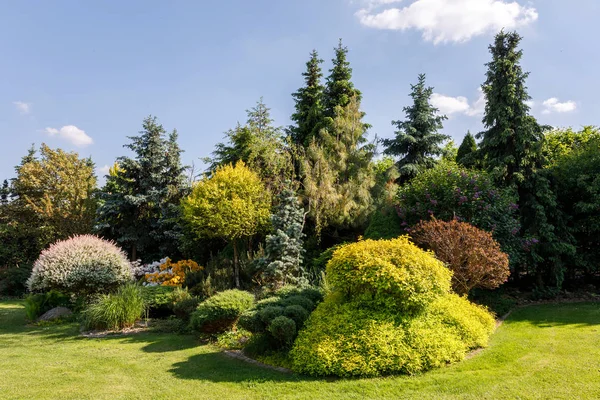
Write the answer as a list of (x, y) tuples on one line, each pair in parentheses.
[(558, 314), (218, 367)]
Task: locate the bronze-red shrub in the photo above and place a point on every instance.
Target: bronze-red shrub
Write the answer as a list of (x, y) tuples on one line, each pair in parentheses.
[(471, 253)]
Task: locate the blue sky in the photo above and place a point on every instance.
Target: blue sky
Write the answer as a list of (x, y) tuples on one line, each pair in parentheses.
[(81, 75)]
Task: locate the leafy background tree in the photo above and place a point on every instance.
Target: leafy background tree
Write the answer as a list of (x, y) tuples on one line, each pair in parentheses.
[(467, 152), (417, 140), (232, 204)]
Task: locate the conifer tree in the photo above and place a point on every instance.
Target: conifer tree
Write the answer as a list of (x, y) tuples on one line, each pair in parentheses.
[(282, 263), (339, 89), (308, 117), (417, 140), (467, 151), (338, 174), (511, 142), (260, 145), (511, 149), (140, 200)]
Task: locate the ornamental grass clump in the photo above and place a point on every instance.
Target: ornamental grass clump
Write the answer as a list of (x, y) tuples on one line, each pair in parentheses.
[(82, 265), (390, 311), (116, 311)]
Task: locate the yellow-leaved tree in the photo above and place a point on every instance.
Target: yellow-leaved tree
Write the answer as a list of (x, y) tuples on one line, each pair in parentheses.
[(231, 204)]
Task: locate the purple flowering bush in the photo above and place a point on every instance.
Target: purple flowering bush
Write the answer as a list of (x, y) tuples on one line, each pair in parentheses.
[(449, 191)]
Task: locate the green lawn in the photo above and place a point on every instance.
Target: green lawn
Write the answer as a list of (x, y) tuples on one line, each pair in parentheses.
[(540, 352)]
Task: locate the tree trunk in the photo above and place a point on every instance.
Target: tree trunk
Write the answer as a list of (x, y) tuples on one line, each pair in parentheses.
[(236, 265), (133, 252)]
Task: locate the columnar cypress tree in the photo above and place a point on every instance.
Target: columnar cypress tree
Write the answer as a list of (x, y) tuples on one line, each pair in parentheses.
[(308, 117), (467, 151), (511, 149), (283, 261), (339, 89), (417, 139), (141, 196)]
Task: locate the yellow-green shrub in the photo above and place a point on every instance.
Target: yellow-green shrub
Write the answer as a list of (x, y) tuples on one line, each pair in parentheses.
[(390, 311), (394, 272), (345, 339)]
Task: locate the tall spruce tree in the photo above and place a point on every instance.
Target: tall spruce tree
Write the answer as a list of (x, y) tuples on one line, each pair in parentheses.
[(140, 201), (417, 140), (339, 89), (511, 149), (467, 151), (282, 263), (308, 117)]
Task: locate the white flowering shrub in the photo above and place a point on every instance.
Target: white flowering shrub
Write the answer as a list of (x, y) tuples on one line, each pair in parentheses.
[(140, 270), (83, 264)]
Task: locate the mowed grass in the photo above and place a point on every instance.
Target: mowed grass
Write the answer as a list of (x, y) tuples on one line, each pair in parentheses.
[(540, 352)]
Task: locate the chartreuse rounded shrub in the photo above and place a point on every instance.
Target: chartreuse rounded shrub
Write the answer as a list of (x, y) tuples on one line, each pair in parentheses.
[(82, 265), (391, 311), (221, 312)]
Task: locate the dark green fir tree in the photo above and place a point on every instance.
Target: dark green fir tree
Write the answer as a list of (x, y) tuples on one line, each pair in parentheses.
[(467, 151), (308, 117), (418, 141), (339, 89)]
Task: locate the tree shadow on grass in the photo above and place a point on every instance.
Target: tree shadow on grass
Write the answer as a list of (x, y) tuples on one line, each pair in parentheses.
[(156, 342), (217, 367), (558, 314)]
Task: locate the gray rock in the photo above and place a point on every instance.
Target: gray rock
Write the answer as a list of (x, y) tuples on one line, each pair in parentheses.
[(55, 313)]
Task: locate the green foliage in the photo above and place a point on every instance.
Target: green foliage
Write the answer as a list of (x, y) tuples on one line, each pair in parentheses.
[(417, 140), (344, 339), (140, 201), (115, 311), (448, 191), (281, 264), (184, 309), (13, 280), (291, 303), (339, 89), (221, 312), (388, 273), (496, 301), (577, 176), (385, 224), (37, 304), (260, 146), (232, 204), (467, 152), (337, 173), (159, 300), (559, 143), (83, 264), (283, 329), (308, 115)]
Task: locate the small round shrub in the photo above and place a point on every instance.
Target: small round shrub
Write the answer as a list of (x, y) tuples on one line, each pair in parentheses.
[(392, 272), (83, 265), (347, 340), (310, 292), (296, 313), (159, 300), (283, 329), (297, 300), (269, 313), (472, 254), (115, 311), (222, 311)]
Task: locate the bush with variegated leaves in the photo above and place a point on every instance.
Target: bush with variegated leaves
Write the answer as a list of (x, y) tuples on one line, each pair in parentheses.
[(82, 264)]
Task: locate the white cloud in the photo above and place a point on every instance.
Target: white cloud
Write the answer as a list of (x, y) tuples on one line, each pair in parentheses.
[(22, 107), (443, 21), (103, 170), (554, 105), (72, 134), (449, 105), (530, 103)]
